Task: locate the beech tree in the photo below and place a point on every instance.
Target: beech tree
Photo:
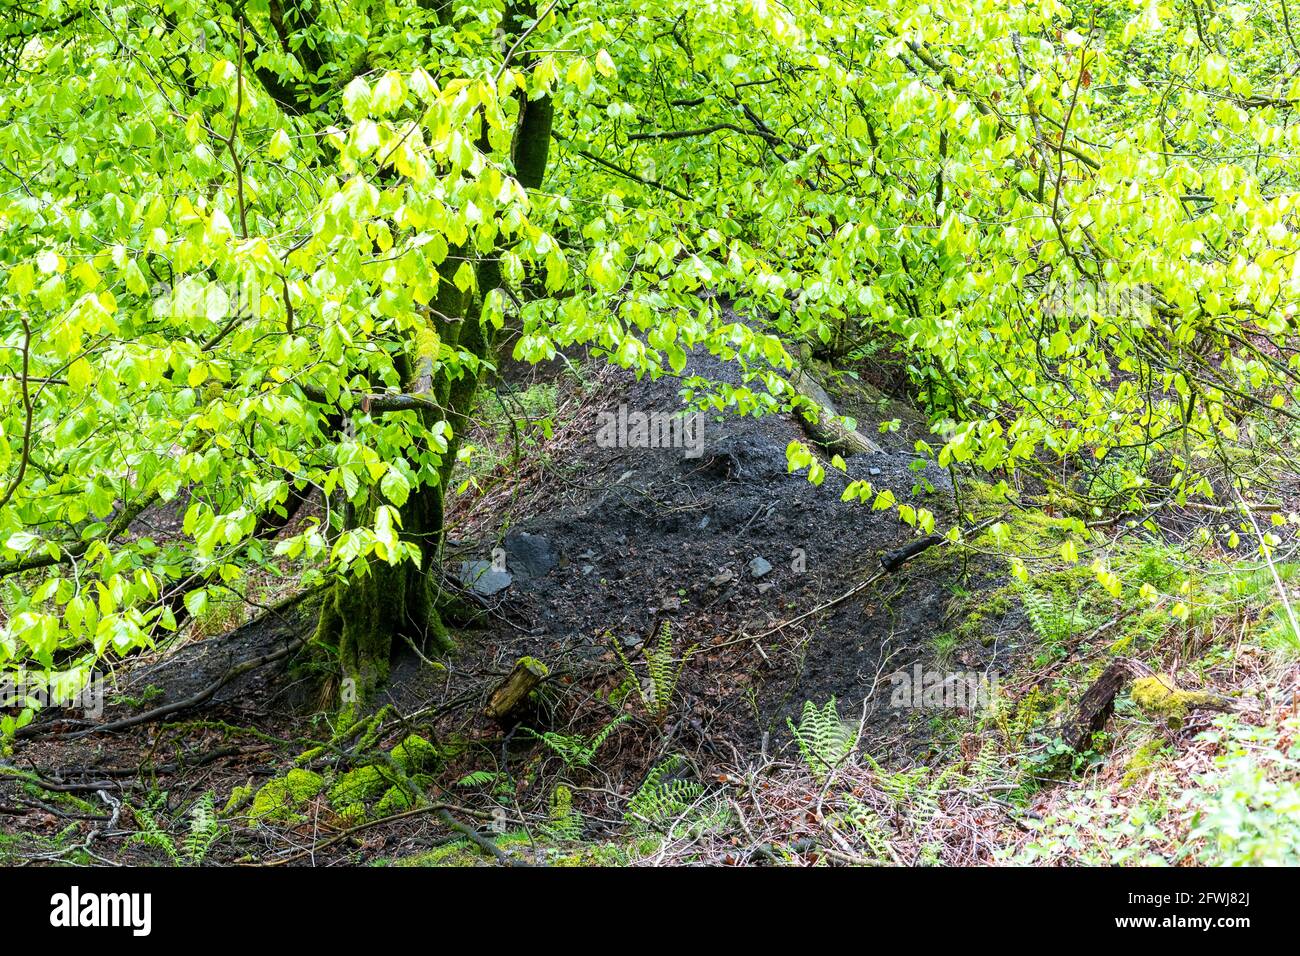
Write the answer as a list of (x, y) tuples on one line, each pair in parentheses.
[(259, 252)]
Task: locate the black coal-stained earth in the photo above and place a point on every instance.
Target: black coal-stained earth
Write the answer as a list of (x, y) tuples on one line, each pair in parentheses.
[(638, 536)]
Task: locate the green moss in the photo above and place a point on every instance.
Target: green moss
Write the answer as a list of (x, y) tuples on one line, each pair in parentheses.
[(307, 756), (977, 613), (12, 848), (1066, 582), (415, 754), (1159, 696), (971, 627), (68, 801), (464, 853), (379, 790), (1143, 759), (597, 854), (281, 800), (31, 784), (1024, 531), (356, 788), (997, 603), (149, 695), (17, 848), (534, 666), (394, 800), (364, 613), (426, 343), (453, 854), (1142, 630), (238, 798)]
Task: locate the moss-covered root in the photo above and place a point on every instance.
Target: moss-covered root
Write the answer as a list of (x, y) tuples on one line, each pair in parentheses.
[(1159, 696), (283, 799), (365, 615), (396, 782)]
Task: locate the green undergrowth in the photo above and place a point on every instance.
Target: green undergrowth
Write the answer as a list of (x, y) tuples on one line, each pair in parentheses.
[(65, 846), (513, 425), (30, 785), (1185, 609), (381, 785), (671, 806), (1243, 811)]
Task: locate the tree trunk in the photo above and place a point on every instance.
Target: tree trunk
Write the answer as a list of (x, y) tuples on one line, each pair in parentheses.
[(367, 616)]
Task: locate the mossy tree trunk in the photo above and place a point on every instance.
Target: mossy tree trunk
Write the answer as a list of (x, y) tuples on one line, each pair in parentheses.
[(372, 612), (366, 617)]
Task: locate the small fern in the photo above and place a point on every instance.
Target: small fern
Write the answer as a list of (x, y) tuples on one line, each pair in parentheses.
[(578, 750), (663, 672), (987, 765), (867, 826), (825, 741), (476, 778), (204, 831), (151, 831), (564, 825), (1052, 620), (667, 802)]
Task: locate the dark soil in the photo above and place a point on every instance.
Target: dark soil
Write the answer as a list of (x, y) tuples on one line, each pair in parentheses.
[(603, 545), (646, 535)]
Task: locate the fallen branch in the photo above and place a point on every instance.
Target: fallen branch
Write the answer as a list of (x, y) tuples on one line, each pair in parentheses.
[(166, 710), (828, 430), (352, 831), (890, 562)]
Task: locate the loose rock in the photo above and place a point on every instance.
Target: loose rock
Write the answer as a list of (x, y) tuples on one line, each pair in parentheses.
[(483, 579)]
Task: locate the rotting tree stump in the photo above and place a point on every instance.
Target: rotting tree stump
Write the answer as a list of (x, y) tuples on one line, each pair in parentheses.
[(512, 693), (828, 430), (1097, 704)]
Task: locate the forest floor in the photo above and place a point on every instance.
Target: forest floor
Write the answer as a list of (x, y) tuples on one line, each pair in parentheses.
[(723, 656)]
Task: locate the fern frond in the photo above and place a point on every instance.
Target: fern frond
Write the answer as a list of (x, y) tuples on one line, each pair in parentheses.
[(668, 802), (1051, 616), (662, 668), (205, 830), (824, 740), (577, 750), (866, 824), (477, 778), (151, 831)]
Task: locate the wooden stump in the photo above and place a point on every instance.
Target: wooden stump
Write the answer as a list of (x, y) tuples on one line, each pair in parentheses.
[(1096, 706), (512, 693)]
